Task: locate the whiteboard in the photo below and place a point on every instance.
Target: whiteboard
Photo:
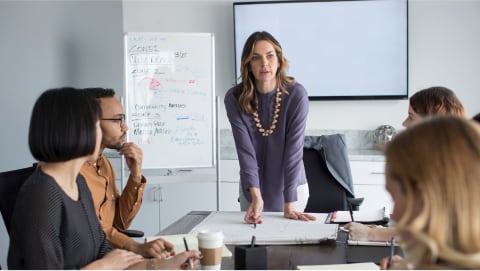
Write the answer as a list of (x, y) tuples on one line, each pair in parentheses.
[(169, 96)]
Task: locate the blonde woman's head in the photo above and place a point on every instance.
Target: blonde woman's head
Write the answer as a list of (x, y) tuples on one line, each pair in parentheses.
[(433, 175)]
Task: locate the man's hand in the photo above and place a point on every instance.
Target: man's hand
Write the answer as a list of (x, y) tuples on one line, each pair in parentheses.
[(133, 157)]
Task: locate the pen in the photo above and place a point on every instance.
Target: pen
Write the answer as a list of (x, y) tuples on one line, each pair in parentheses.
[(392, 250), (253, 241), (351, 213), (254, 225), (190, 261)]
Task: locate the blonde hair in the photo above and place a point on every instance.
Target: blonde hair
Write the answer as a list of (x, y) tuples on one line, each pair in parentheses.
[(245, 93), (437, 165)]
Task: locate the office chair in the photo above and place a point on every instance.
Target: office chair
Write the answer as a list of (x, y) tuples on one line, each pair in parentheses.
[(10, 183), (328, 173)]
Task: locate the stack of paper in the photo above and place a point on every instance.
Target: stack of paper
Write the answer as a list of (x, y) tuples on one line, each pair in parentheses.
[(370, 243)]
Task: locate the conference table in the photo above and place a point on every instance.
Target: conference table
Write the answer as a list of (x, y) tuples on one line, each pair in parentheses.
[(283, 257)]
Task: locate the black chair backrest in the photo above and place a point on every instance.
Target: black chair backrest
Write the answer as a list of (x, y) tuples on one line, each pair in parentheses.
[(10, 183), (326, 194)]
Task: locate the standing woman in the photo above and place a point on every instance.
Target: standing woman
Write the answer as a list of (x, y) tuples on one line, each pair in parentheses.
[(268, 112)]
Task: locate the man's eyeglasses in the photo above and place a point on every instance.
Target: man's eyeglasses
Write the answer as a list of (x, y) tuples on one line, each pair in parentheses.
[(120, 120)]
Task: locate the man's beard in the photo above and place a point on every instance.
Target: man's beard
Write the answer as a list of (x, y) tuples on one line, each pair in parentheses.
[(117, 145)]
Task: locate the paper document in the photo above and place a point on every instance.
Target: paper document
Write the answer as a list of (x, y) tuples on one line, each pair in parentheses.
[(370, 243), (347, 266), (362, 216), (274, 230), (179, 246)]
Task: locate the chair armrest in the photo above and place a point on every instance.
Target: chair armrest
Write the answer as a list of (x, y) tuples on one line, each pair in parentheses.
[(355, 203), (134, 233)]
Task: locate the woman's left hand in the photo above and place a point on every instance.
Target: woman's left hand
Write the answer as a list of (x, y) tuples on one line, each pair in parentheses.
[(289, 212)]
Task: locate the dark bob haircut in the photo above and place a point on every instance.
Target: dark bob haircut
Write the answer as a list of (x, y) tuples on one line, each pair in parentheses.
[(63, 125)]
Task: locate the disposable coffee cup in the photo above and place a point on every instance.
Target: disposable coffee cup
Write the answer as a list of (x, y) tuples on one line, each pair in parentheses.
[(211, 246)]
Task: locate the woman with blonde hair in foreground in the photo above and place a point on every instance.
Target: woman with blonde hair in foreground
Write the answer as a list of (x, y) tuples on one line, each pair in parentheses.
[(433, 175)]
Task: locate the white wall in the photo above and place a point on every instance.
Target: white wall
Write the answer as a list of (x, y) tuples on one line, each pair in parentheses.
[(443, 45), (46, 44)]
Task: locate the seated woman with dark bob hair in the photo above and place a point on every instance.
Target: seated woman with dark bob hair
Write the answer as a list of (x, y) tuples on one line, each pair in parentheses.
[(54, 224)]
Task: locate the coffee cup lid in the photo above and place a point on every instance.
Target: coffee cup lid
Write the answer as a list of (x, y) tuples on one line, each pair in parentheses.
[(206, 235)]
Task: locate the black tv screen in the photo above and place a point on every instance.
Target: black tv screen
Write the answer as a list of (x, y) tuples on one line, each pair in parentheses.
[(338, 50)]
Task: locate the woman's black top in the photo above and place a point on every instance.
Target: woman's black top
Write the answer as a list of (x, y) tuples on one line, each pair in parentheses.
[(49, 230)]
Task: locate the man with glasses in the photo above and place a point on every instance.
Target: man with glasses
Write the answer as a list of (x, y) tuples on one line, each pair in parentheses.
[(114, 210)]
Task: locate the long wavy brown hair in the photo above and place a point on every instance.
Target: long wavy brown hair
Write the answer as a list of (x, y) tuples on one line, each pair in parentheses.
[(245, 90)]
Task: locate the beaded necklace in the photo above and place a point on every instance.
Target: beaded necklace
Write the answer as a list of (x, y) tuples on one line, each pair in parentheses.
[(276, 110)]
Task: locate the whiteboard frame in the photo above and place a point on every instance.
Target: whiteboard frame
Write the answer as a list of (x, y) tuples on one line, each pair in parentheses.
[(213, 110)]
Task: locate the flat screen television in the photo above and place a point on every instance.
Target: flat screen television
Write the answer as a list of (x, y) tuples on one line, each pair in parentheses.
[(338, 50)]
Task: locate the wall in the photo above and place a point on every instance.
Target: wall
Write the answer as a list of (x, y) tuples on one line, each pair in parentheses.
[(52, 44), (442, 44), (46, 44)]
